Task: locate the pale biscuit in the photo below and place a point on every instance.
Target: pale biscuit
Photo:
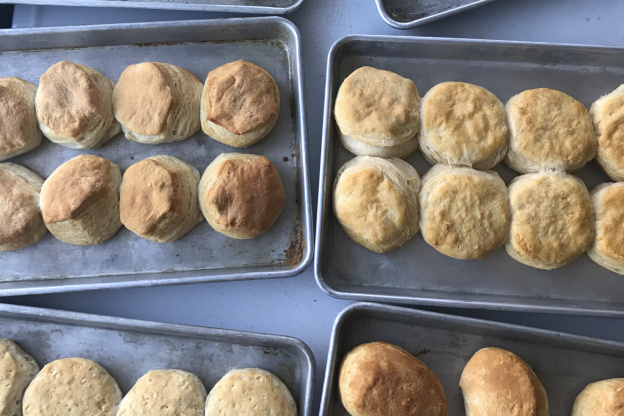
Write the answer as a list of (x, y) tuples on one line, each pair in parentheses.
[(552, 220), (376, 202), (250, 392), (608, 247), (19, 131), (464, 213), (608, 117), (74, 106), (17, 369), (548, 129), (602, 398)]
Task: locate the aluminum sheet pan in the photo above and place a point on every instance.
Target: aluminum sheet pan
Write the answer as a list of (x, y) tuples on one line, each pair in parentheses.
[(416, 273), (230, 6), (129, 348), (203, 254), (406, 14), (564, 363)]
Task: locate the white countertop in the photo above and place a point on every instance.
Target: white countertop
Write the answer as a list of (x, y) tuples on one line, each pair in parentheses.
[(296, 306)]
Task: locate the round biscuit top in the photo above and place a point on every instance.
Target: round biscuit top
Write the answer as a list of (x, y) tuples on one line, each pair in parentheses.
[(75, 386), (15, 115), (374, 105), (610, 129), (552, 217), (18, 205), (498, 382), (380, 379), (240, 96), (602, 398), (464, 123), (551, 129), (69, 100), (610, 221), (250, 392), (74, 186)]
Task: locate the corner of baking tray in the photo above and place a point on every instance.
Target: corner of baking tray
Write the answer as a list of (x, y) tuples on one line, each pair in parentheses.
[(383, 12), (291, 9)]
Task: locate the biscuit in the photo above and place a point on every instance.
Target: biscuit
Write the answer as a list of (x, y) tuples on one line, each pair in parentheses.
[(464, 213), (157, 103), (497, 382), (165, 393), (241, 195), (19, 131), (376, 202), (159, 198), (462, 124), (80, 200), (602, 398), (250, 392), (552, 221), (240, 104), (548, 129), (607, 114), (74, 106), (379, 379), (20, 219), (17, 369), (72, 386), (608, 247), (377, 113)]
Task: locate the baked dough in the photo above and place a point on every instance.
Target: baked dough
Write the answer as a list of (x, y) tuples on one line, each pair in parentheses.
[(157, 102), (380, 379), (19, 131), (159, 198), (608, 116), (376, 202), (464, 213), (552, 221), (74, 106), (377, 113), (72, 386), (17, 369), (241, 195), (463, 124), (497, 382), (240, 104), (608, 247), (80, 200), (250, 392), (549, 129), (602, 398), (20, 219)]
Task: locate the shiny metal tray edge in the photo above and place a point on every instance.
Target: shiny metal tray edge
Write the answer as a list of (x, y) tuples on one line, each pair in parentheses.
[(77, 319)]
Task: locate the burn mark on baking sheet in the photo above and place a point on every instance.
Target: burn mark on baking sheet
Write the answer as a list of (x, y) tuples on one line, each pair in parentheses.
[(422, 352), (294, 252)]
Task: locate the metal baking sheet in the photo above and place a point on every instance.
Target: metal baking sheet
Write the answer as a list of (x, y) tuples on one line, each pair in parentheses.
[(406, 14), (203, 254), (416, 273), (564, 363), (230, 6), (129, 348)]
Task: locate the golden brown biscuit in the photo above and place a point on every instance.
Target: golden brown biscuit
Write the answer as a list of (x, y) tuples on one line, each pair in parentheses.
[(497, 382), (17, 369), (377, 113), (464, 213), (241, 195), (380, 379), (80, 200), (549, 129), (157, 102), (602, 398), (463, 124), (74, 106), (552, 221), (376, 202), (608, 247), (608, 117), (239, 104), (159, 198), (20, 218), (19, 131), (250, 392)]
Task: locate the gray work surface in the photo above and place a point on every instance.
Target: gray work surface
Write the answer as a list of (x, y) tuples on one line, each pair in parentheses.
[(296, 306)]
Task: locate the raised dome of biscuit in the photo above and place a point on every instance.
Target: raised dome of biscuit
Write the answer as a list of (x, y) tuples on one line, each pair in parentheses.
[(14, 115)]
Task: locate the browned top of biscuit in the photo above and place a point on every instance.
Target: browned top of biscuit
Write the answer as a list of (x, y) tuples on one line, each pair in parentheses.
[(74, 186), (68, 99), (611, 139), (18, 205), (610, 215), (14, 120), (601, 398), (149, 194), (240, 97)]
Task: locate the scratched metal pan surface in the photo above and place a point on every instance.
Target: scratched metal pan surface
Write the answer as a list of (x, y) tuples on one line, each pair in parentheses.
[(406, 14), (203, 254), (416, 273), (564, 363), (228, 6), (129, 348)]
